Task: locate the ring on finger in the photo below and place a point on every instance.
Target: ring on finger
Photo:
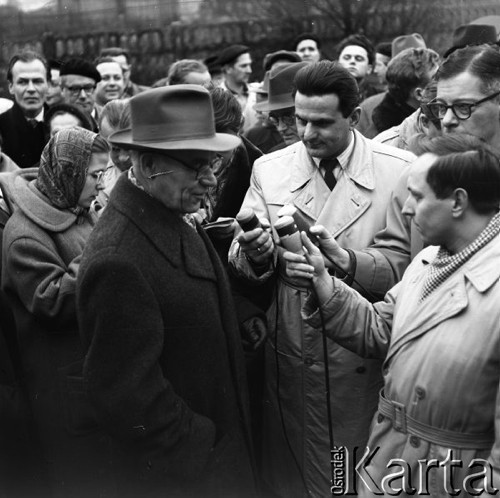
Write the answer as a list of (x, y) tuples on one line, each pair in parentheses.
[(259, 249)]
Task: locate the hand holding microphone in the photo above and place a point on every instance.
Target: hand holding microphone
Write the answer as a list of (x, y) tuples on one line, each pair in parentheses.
[(255, 240)]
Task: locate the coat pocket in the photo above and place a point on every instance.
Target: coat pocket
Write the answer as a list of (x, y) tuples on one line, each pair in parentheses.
[(79, 414)]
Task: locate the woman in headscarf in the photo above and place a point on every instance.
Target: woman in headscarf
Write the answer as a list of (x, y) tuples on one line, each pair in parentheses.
[(43, 244)]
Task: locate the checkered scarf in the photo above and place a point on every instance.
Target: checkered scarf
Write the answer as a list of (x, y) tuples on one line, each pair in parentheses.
[(445, 264)]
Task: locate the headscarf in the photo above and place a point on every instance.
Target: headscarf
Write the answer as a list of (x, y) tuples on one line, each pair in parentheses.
[(64, 165)]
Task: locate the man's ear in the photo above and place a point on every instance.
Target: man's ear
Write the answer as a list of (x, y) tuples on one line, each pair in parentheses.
[(354, 118), (11, 88), (460, 202), (146, 164)]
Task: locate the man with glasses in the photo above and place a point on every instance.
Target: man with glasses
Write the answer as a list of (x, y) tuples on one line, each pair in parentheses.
[(79, 79), (280, 102), (164, 366), (468, 93)]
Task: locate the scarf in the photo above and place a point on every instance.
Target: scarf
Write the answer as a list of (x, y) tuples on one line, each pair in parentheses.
[(63, 168), (445, 264)]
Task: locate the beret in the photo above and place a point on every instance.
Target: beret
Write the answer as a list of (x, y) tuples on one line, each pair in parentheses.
[(80, 67), (229, 54)]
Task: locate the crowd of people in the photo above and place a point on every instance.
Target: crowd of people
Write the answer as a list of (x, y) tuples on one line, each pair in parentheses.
[(279, 289)]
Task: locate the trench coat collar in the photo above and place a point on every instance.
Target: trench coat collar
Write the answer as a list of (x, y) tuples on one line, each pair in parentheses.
[(360, 168), (451, 297), (178, 242)]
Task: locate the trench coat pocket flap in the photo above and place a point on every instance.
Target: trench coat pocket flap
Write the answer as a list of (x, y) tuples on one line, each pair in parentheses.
[(79, 414)]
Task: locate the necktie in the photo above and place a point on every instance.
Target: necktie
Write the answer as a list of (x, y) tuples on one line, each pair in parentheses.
[(329, 166), (33, 122)]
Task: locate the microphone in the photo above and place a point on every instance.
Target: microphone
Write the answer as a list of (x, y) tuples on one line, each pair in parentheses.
[(303, 224), (247, 219), (289, 234)]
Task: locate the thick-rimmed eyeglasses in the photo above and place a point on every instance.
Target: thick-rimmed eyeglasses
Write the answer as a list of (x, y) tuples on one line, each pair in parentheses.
[(200, 170), (76, 89), (287, 120), (462, 110)]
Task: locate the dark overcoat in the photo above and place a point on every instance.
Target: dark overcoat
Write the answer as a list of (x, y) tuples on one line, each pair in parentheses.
[(164, 365), (22, 142)]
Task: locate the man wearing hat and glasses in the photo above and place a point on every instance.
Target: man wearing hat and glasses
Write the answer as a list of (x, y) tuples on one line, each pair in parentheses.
[(164, 365)]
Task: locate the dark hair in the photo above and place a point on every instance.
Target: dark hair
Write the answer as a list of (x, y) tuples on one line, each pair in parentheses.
[(476, 171), (360, 41), (63, 108), (306, 36), (114, 52), (178, 70), (482, 61), (325, 77), (409, 69), (227, 111), (27, 56), (117, 112), (384, 48)]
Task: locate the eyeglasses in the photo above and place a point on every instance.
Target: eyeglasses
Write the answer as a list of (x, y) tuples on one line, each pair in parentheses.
[(76, 89), (461, 110), (98, 175), (428, 114), (200, 170), (287, 120)]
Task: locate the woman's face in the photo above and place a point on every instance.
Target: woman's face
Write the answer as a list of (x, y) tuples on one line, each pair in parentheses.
[(119, 157), (94, 179)]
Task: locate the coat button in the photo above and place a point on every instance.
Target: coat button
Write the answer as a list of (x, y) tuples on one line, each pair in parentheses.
[(308, 362), (361, 370), (380, 418), (415, 441), (420, 392)]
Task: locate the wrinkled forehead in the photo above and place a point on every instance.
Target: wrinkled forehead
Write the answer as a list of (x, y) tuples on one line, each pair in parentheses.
[(461, 86)]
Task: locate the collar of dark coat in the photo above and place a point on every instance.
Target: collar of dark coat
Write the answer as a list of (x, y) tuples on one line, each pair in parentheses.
[(173, 237), (360, 168)]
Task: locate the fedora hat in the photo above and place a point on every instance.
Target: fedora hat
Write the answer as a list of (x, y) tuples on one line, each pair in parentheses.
[(403, 42), (280, 55), (281, 87), (472, 34), (173, 118)]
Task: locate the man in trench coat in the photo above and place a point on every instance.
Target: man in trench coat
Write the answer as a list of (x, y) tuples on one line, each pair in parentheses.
[(353, 209)]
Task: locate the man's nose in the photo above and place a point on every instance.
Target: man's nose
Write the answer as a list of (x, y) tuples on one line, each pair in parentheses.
[(208, 179), (449, 119), (31, 86), (408, 207)]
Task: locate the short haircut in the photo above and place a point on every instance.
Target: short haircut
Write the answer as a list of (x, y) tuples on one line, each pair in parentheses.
[(117, 113), (178, 70), (306, 36), (227, 111), (410, 69), (27, 56), (115, 52), (360, 41), (482, 61), (476, 170), (102, 60), (63, 108), (327, 77), (384, 48)]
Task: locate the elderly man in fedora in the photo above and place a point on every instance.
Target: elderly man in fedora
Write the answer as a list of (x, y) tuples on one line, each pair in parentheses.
[(164, 366)]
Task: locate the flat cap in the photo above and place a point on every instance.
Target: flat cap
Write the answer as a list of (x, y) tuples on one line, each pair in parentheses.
[(80, 67), (231, 53)]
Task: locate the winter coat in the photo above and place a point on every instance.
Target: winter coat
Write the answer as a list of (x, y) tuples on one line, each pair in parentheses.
[(42, 247), (442, 359), (390, 112), (353, 212), (399, 136), (22, 142), (164, 365)]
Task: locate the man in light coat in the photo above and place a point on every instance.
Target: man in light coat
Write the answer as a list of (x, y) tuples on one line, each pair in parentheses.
[(437, 330), (336, 177)]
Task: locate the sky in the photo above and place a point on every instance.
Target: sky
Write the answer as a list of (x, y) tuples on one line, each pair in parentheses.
[(28, 4)]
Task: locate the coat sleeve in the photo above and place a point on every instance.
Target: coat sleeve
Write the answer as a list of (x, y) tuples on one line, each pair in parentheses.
[(381, 266), (41, 280), (352, 321), (238, 262), (123, 330)]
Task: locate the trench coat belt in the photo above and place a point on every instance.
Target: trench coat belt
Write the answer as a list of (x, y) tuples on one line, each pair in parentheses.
[(402, 422)]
